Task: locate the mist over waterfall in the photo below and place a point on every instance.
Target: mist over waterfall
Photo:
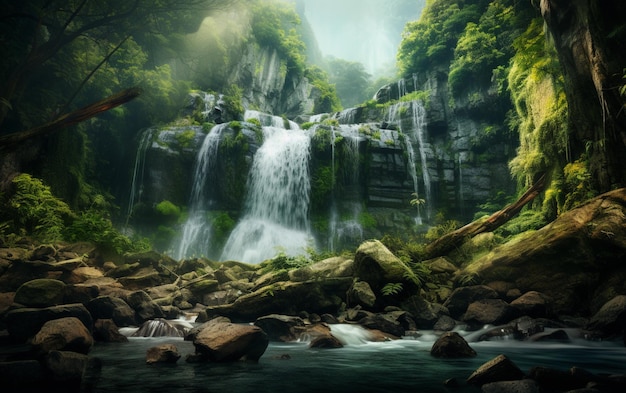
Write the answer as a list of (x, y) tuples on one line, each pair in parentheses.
[(277, 201)]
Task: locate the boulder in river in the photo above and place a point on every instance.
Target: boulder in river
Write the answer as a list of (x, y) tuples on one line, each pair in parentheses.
[(451, 345), (64, 334), (229, 342)]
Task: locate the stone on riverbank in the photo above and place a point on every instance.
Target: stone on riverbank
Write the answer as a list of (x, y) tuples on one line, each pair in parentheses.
[(229, 342)]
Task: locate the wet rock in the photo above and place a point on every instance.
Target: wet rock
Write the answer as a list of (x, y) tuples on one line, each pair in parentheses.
[(525, 327), (326, 341), (84, 273), (375, 264), (66, 366), (387, 323), (360, 293), (444, 323), (108, 307), (424, 313), (45, 252), (451, 345), (327, 268), (81, 293), (228, 342), (610, 320), (40, 293), (280, 327), (23, 323), (461, 298), (489, 311), (105, 330), (497, 369), (64, 334), (521, 386), (533, 304), (166, 353), (193, 332), (145, 308)]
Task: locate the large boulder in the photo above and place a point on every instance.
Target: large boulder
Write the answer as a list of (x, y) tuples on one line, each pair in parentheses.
[(64, 334), (23, 323), (461, 298), (287, 298), (376, 265), (332, 267), (451, 345), (106, 330), (41, 292), (145, 308), (109, 307), (533, 304), (360, 293), (166, 353), (281, 327), (228, 342), (489, 311), (567, 258), (610, 320), (66, 366), (497, 369)]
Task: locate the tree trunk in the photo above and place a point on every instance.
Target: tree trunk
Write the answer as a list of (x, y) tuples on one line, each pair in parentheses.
[(454, 239), (590, 39), (71, 118)]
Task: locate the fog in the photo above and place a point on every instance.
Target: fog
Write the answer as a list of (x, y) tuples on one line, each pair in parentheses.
[(366, 31)]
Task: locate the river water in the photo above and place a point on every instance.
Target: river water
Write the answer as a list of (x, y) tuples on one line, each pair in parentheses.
[(394, 366)]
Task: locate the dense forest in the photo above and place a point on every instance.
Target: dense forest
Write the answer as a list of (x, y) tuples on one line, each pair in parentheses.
[(551, 74)]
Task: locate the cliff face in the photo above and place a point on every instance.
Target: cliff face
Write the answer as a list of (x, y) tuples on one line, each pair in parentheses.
[(590, 38), (267, 85)]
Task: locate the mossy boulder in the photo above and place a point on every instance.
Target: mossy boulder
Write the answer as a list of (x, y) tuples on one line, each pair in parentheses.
[(571, 260), (376, 265), (41, 292)]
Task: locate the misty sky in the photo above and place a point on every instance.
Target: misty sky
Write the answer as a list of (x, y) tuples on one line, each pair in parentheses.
[(367, 31)]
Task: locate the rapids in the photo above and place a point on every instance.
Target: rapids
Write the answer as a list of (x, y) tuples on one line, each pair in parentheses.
[(360, 366)]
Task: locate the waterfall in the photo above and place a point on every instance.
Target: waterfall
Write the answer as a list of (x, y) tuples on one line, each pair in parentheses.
[(196, 232), (136, 186), (419, 127), (401, 88), (268, 120), (277, 202), (393, 117)]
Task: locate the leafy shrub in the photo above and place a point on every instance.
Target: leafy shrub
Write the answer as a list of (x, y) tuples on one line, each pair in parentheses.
[(167, 208), (33, 208), (392, 288)]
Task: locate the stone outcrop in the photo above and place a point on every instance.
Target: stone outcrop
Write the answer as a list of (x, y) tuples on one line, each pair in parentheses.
[(40, 293), (166, 353), (63, 334), (451, 345), (565, 259), (228, 342), (23, 323), (497, 369)]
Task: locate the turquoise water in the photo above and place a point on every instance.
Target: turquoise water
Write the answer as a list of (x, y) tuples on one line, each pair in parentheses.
[(396, 366)]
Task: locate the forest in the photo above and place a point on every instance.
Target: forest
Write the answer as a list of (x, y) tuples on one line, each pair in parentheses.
[(66, 55)]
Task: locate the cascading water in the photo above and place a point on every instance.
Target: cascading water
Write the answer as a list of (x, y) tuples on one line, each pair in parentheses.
[(418, 116), (196, 232), (394, 117), (136, 187), (277, 201)]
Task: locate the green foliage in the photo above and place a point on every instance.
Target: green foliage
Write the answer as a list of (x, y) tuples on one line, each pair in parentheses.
[(185, 138), (577, 183), (392, 288), (222, 224), (169, 211), (528, 220), (322, 184), (273, 25), (284, 262), (233, 102), (444, 228), (33, 208), (93, 227), (351, 81), (367, 220), (327, 100)]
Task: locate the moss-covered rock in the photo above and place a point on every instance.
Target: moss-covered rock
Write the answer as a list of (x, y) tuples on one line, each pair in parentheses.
[(376, 265), (41, 292), (570, 260)]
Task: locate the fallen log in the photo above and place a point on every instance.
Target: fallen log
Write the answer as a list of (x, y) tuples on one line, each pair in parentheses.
[(71, 118), (450, 241)]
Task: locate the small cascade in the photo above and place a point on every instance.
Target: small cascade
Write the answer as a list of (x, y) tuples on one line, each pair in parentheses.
[(268, 120), (419, 127), (277, 201), (401, 88), (347, 116), (209, 104), (136, 187), (393, 117), (350, 334), (160, 327), (196, 232)]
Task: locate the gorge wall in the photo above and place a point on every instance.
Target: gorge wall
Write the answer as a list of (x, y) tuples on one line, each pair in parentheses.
[(364, 165)]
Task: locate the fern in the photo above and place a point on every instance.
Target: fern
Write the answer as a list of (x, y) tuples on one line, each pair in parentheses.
[(392, 288)]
